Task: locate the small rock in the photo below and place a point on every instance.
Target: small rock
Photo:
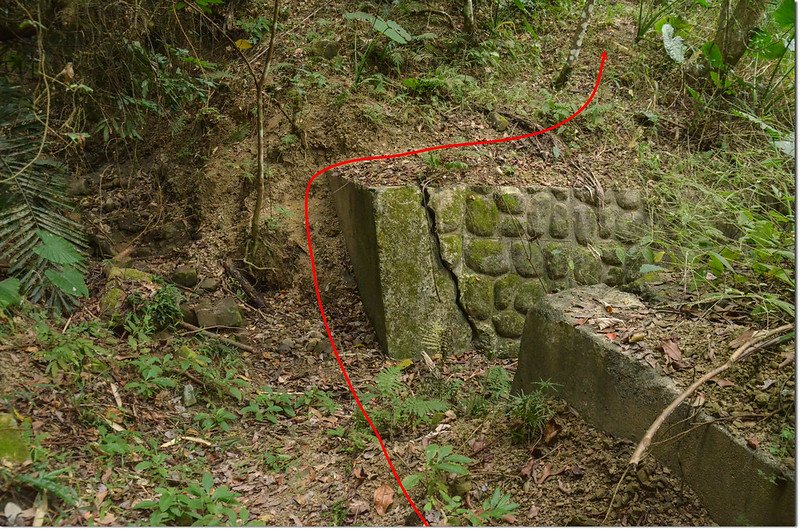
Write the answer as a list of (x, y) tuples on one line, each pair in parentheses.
[(189, 398), (110, 204), (185, 276), (498, 121), (762, 398), (188, 314), (285, 346), (209, 284), (128, 274), (78, 187), (11, 511), (111, 303), (325, 48), (323, 347), (224, 313)]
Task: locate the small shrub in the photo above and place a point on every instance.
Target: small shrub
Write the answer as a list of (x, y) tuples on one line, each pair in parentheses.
[(440, 461), (529, 412)]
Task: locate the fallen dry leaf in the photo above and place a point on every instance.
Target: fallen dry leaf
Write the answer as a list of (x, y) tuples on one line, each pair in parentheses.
[(767, 384), (356, 507), (551, 430), (742, 339), (672, 350), (527, 469), (533, 512), (546, 473), (509, 518), (384, 496), (753, 442), (478, 444), (722, 382)]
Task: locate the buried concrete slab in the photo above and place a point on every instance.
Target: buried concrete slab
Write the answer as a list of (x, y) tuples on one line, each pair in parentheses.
[(407, 293), (623, 395)]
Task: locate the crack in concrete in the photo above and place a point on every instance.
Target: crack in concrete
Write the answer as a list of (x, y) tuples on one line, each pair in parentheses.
[(437, 252)]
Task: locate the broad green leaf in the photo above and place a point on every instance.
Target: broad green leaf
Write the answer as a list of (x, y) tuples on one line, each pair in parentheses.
[(718, 259), (411, 481), (453, 468), (713, 55), (69, 281), (9, 292), (785, 14), (208, 482), (650, 268), (56, 249), (674, 45)]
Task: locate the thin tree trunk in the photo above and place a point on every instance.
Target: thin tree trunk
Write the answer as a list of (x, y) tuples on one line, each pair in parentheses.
[(469, 18), (735, 28), (260, 176), (577, 44)]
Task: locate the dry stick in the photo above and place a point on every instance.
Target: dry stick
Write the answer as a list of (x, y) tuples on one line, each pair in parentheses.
[(245, 284), (234, 343), (742, 352)]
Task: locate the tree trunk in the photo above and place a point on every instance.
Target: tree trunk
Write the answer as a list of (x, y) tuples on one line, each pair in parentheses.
[(577, 44), (469, 18), (735, 28)]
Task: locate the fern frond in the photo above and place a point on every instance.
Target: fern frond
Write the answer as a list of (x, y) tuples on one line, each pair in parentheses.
[(422, 408), (388, 382), (432, 337), (32, 197)]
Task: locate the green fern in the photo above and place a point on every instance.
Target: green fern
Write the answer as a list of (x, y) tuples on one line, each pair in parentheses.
[(432, 337), (32, 209), (420, 408), (388, 382)]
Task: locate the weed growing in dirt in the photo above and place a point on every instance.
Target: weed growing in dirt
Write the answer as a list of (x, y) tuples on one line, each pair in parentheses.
[(217, 418), (395, 408), (336, 513), (162, 310), (196, 504), (270, 405), (784, 446), (73, 351), (493, 509), (529, 412), (440, 461)]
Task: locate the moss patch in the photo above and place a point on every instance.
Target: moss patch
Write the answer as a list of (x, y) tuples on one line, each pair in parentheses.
[(482, 215)]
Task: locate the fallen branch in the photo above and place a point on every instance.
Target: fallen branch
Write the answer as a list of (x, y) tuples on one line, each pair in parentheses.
[(228, 341), (756, 343), (246, 286)]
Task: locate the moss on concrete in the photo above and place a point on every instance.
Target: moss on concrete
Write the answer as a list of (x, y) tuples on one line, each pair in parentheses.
[(487, 256), (13, 448), (476, 292), (482, 215), (505, 289), (452, 249)]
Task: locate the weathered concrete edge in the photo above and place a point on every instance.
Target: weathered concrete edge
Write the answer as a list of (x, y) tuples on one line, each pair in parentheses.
[(623, 396), (355, 209)]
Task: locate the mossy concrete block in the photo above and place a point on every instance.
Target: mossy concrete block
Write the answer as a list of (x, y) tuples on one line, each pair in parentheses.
[(505, 290), (559, 222), (403, 283), (541, 207), (13, 448), (586, 226), (612, 254), (615, 276), (510, 200), (527, 258), (560, 193), (223, 313), (476, 294), (482, 215), (487, 256), (449, 205), (606, 221), (623, 395), (508, 323)]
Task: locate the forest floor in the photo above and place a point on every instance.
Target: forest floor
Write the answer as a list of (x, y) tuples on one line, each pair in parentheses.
[(106, 405)]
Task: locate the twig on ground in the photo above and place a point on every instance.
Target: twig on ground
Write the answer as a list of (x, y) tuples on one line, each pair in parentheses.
[(756, 343), (245, 284)]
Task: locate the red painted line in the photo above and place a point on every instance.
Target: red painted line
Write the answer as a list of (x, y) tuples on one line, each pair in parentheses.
[(603, 58)]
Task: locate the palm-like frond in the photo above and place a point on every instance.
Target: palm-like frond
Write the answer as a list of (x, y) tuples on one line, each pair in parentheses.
[(34, 199)]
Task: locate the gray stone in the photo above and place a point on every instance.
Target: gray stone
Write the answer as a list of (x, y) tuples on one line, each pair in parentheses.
[(189, 397), (527, 258), (508, 324), (510, 200), (615, 276), (476, 293), (622, 395), (560, 193), (223, 313), (111, 304), (482, 215), (13, 448), (556, 261), (606, 220), (209, 284), (326, 49), (628, 199), (285, 346), (559, 222), (185, 276), (630, 227), (612, 254), (449, 206), (586, 226), (188, 314), (586, 195), (451, 248), (498, 121), (487, 256), (587, 268), (505, 289), (539, 214), (513, 226)]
